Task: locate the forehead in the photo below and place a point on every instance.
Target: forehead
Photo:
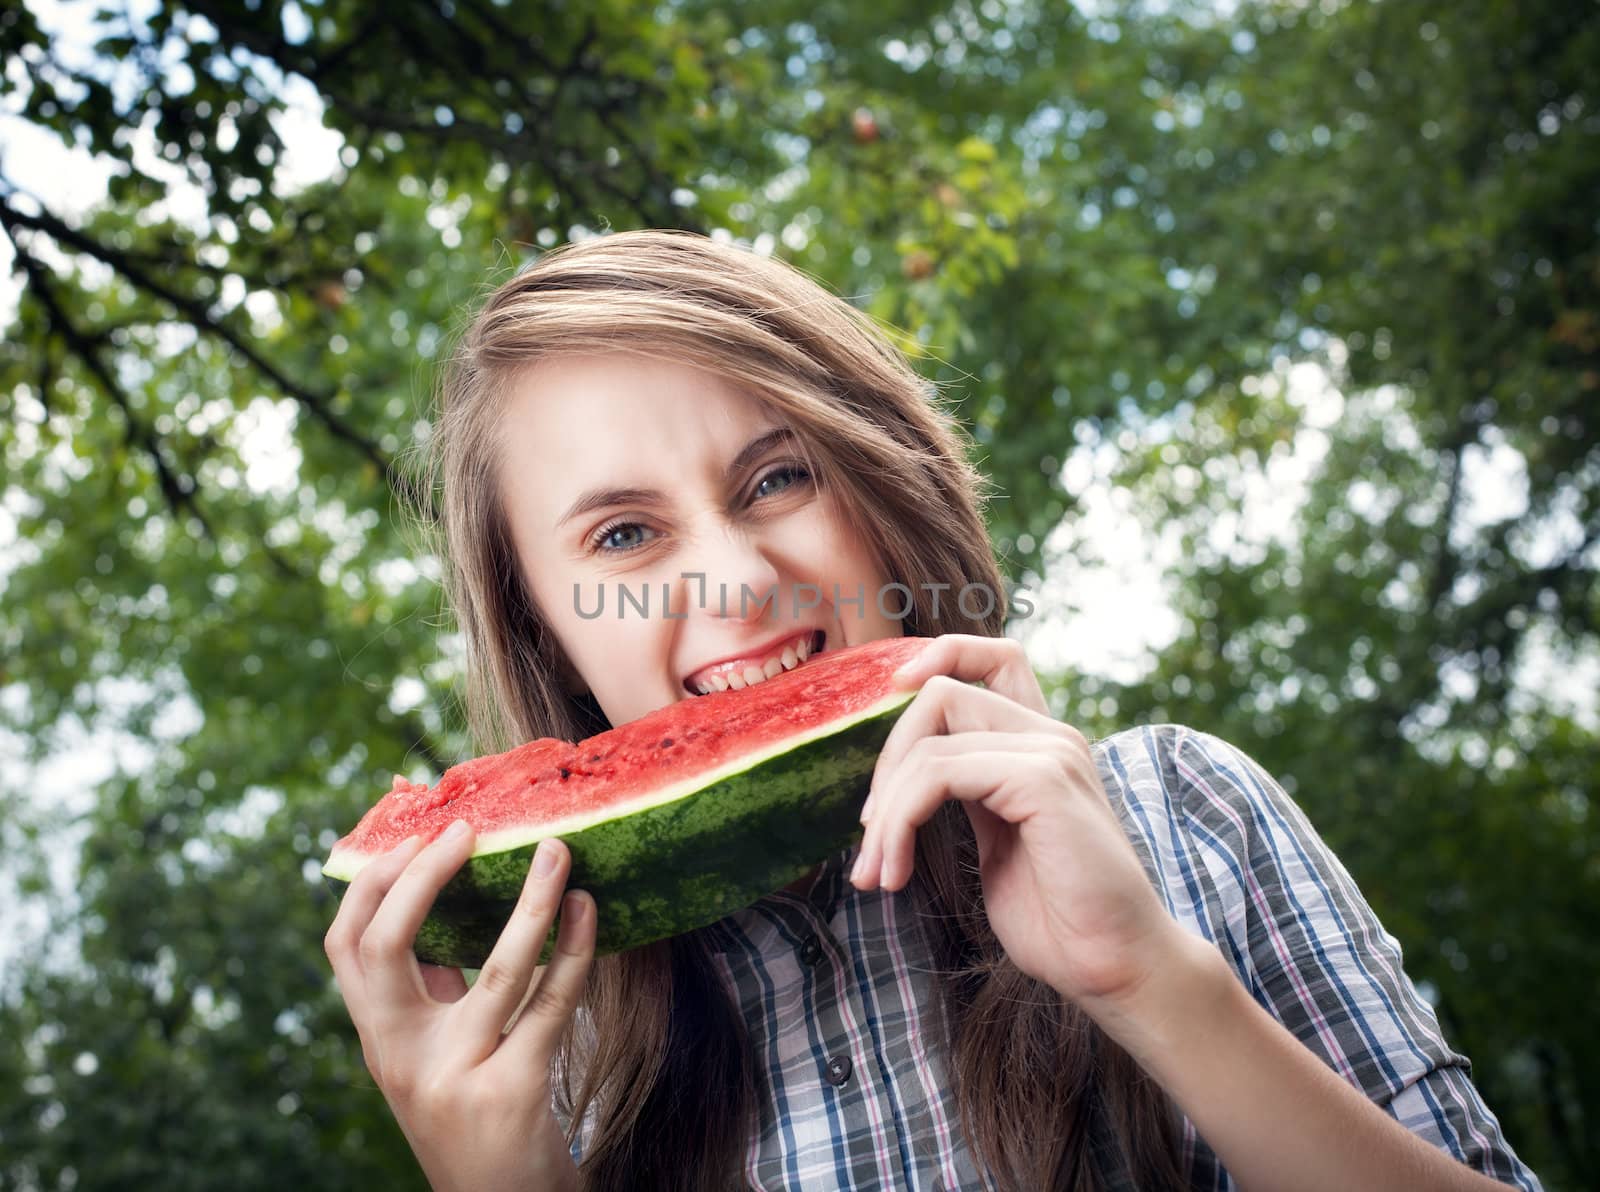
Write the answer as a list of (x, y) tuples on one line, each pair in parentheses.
[(572, 423)]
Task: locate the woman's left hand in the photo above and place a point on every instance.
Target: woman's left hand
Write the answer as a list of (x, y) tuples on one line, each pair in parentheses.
[(1065, 892)]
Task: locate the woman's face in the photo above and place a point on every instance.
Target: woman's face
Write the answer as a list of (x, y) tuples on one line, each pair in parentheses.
[(671, 535)]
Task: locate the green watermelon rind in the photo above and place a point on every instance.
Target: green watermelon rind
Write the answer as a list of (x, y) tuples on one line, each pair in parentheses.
[(718, 843)]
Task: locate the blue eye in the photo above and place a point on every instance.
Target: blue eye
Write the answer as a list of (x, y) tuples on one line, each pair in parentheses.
[(790, 474), (619, 536)]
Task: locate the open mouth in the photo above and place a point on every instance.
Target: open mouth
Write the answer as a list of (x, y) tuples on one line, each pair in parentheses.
[(735, 676)]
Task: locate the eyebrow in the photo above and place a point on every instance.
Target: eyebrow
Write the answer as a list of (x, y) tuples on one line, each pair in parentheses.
[(605, 498)]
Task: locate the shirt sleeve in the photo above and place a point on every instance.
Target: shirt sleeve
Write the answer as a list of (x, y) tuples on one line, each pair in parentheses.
[(1289, 917), (586, 1128), (580, 1144)]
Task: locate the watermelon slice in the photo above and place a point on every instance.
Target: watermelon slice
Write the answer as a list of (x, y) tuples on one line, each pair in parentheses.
[(674, 820)]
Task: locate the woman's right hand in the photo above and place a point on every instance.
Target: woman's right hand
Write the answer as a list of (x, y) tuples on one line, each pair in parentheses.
[(472, 1098)]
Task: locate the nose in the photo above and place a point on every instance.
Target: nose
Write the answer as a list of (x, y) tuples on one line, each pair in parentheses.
[(731, 575)]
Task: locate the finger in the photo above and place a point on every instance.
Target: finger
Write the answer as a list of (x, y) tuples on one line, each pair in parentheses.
[(443, 984), (946, 705), (1013, 785), (560, 988), (394, 978), (504, 979), (357, 906), (999, 663)]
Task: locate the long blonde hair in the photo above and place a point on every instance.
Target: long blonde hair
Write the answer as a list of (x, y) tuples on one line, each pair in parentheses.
[(1031, 1071)]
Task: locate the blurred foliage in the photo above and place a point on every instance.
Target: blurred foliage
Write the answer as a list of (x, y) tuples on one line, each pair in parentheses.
[(1116, 232)]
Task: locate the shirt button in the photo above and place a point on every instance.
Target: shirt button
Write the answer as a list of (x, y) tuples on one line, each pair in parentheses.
[(838, 1070), (811, 950)]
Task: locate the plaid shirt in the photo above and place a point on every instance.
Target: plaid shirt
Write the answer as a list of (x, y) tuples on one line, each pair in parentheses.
[(834, 987)]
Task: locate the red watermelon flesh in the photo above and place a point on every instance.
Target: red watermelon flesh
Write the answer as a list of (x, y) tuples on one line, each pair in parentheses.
[(549, 787)]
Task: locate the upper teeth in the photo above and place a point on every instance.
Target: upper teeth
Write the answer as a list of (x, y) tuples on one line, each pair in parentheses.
[(751, 673)]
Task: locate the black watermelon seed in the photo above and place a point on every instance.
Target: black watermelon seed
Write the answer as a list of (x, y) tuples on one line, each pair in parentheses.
[(594, 757), (666, 742), (565, 773)]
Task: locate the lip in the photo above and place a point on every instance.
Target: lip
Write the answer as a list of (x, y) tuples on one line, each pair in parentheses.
[(749, 656)]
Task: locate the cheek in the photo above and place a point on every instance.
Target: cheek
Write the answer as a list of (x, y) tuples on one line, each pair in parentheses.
[(850, 557), (840, 556), (601, 641), (622, 660)]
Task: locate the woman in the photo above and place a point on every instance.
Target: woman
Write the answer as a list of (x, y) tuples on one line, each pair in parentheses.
[(1052, 964)]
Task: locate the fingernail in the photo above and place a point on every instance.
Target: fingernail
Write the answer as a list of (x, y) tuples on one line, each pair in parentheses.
[(544, 859), (404, 845), (866, 810), (855, 870), (456, 831)]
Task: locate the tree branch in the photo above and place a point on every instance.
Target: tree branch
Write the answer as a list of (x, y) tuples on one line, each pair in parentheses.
[(514, 147), (177, 487), (196, 312)]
